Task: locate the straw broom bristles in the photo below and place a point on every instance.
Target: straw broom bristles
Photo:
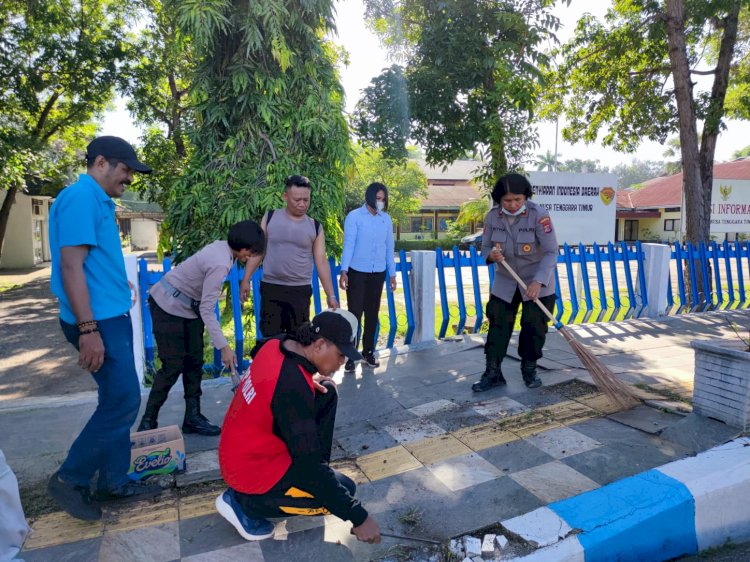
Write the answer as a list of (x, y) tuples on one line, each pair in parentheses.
[(617, 391)]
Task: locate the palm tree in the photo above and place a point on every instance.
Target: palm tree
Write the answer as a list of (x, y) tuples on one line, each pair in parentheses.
[(472, 211), (672, 152), (549, 161)]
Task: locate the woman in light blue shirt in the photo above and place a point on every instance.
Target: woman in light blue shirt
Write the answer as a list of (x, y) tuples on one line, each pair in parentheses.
[(367, 257)]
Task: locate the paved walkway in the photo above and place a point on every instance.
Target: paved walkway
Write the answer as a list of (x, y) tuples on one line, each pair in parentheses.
[(35, 358), (432, 459)]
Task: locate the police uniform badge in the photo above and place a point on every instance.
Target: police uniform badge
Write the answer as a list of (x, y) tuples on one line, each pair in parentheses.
[(546, 223)]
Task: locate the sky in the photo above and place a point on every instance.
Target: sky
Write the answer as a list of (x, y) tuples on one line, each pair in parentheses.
[(367, 58)]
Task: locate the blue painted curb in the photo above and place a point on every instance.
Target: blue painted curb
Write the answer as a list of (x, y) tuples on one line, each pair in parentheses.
[(680, 508)]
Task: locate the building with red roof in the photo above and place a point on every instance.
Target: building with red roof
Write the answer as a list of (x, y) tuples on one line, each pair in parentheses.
[(653, 211), (447, 189)]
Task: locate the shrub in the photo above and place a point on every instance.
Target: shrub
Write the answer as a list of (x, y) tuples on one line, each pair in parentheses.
[(408, 245)]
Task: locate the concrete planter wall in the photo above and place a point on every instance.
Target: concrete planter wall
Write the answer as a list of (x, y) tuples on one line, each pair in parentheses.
[(722, 382)]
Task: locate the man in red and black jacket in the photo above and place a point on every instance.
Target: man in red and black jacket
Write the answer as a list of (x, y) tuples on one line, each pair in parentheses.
[(277, 435)]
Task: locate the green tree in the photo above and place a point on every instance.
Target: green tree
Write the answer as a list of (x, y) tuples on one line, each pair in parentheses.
[(636, 172), (741, 153), (58, 65), (406, 182), (672, 153), (635, 74), (385, 96), (156, 83), (472, 72), (267, 104), (737, 102), (548, 161), (470, 213), (580, 166)]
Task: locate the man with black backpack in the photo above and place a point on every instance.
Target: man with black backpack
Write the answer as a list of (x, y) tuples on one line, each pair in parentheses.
[(294, 240)]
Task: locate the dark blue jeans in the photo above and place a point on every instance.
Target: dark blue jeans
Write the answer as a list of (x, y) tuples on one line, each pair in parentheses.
[(104, 443)]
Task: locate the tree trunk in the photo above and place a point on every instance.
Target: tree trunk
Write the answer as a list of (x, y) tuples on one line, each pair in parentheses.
[(10, 198), (716, 105), (499, 160), (698, 163), (175, 126), (696, 212)]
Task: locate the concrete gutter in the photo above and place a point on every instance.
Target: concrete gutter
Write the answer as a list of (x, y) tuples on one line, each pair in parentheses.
[(683, 507)]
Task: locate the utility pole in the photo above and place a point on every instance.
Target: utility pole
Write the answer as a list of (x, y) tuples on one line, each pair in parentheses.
[(557, 123)]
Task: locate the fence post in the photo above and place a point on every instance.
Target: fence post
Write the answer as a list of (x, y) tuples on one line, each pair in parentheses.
[(136, 318), (656, 262), (423, 287)]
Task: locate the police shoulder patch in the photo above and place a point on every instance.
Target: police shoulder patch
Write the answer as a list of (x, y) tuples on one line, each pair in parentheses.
[(546, 223)]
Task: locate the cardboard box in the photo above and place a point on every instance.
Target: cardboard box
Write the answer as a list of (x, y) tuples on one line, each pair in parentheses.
[(156, 451)]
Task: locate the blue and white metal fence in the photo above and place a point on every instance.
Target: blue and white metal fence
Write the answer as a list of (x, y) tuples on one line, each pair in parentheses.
[(595, 283)]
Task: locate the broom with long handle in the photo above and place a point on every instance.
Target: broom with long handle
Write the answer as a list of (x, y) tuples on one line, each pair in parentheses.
[(620, 393)]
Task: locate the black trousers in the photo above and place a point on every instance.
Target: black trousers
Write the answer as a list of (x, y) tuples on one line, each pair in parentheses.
[(283, 308), (363, 296), (290, 495), (179, 343), (534, 326)]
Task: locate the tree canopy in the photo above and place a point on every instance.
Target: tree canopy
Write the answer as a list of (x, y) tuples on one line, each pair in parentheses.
[(268, 103), (156, 80), (742, 152), (58, 66), (404, 179), (381, 117), (548, 161), (582, 165), (638, 171), (634, 75), (472, 73)]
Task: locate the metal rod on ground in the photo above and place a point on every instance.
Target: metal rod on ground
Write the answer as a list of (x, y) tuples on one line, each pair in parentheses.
[(403, 537), (392, 536), (619, 392)]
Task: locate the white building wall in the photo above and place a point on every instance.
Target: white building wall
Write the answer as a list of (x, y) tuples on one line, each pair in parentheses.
[(18, 244), (144, 234)]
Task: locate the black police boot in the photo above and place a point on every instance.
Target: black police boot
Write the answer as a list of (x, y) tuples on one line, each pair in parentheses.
[(150, 415), (195, 422), (492, 376), (528, 370)]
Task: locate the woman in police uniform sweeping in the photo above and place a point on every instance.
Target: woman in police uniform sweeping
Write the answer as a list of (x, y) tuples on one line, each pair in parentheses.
[(519, 231)]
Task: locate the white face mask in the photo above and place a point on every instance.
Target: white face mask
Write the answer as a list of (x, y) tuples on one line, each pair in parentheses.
[(380, 205), (518, 212)]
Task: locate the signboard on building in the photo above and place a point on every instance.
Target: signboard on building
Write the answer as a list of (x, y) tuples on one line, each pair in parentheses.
[(730, 206), (582, 206)]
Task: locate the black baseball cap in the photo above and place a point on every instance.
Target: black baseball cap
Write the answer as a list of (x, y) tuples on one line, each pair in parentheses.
[(339, 327), (117, 149)]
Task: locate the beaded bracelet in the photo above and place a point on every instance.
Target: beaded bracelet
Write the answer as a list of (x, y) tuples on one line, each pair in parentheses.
[(87, 323), (84, 332)]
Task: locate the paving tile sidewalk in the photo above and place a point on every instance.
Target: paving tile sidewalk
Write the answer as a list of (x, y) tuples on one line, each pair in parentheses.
[(422, 446)]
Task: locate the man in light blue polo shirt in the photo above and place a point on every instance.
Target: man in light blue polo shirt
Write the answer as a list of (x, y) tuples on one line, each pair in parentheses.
[(89, 279), (368, 256)]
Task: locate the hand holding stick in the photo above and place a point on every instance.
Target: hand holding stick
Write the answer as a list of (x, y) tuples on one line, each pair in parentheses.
[(619, 392), (521, 284)]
